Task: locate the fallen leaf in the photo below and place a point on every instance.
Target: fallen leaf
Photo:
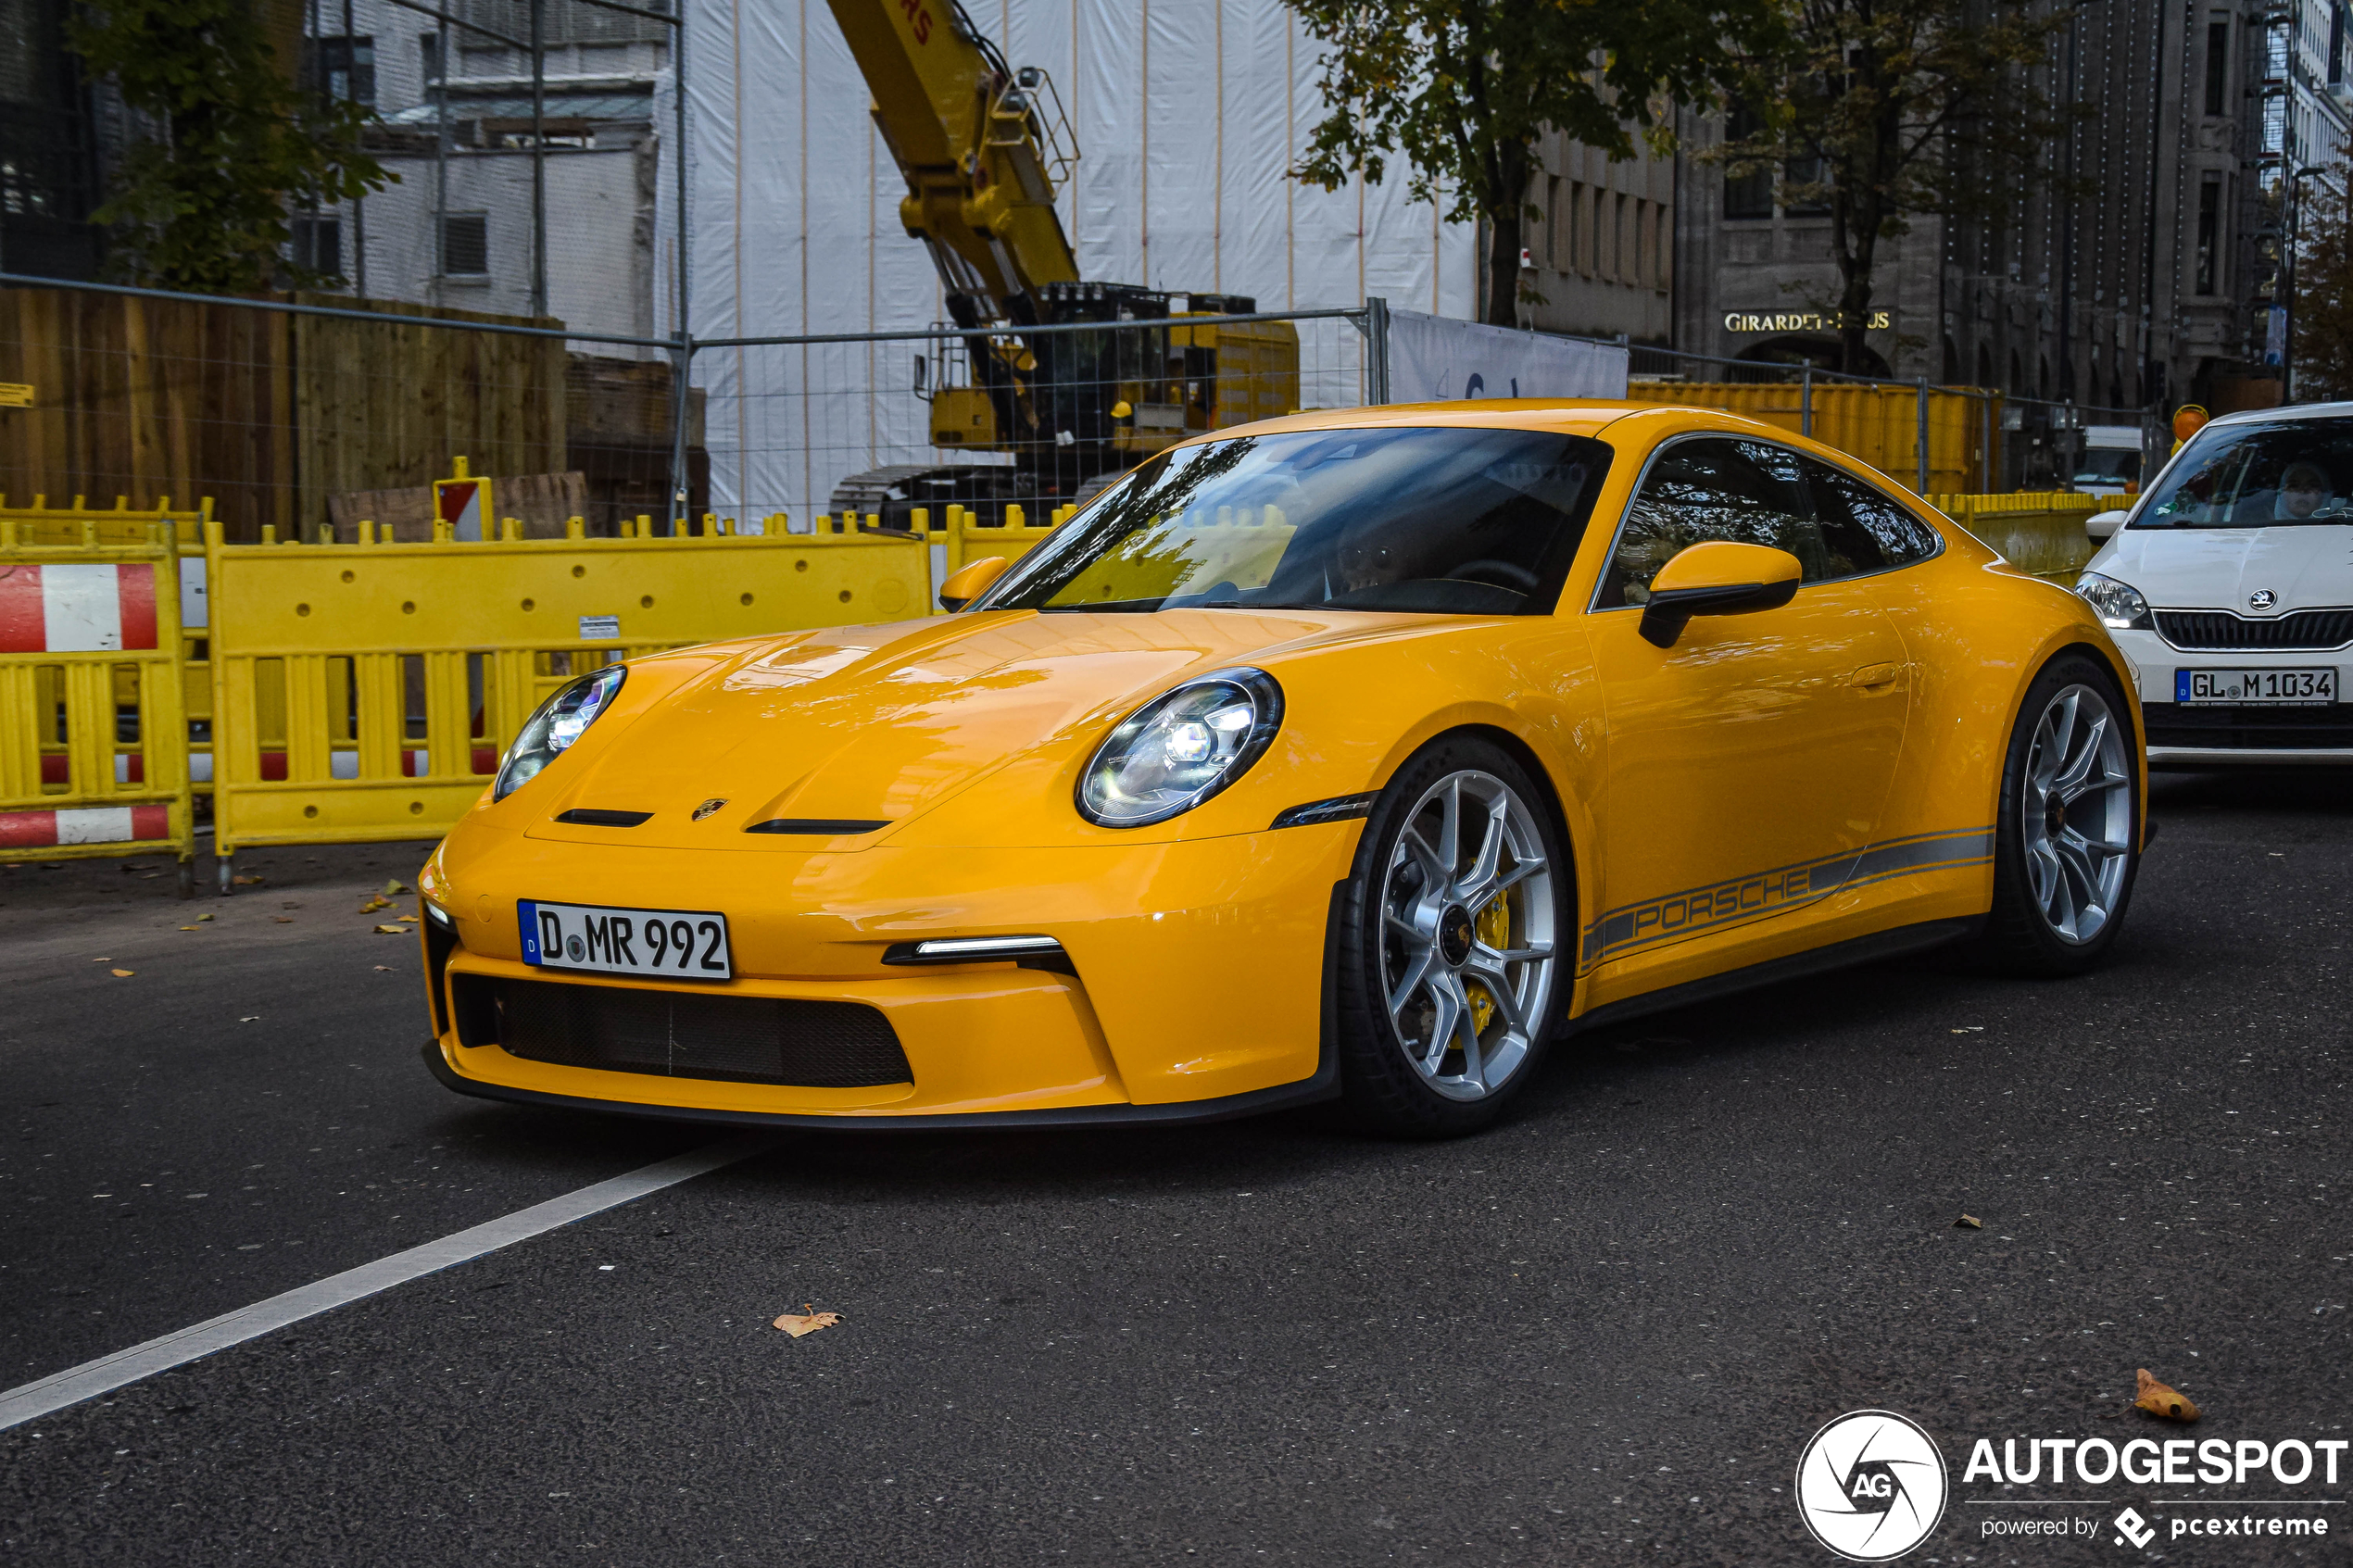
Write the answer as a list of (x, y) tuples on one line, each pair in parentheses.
[(392, 931), (208, 917), (191, 928), (806, 1321), (1969, 1029), (372, 905), (282, 920), (245, 882), (102, 960), (395, 886), (2158, 1399), (250, 1018), (1970, 1222), (383, 969), (124, 973), (407, 920)]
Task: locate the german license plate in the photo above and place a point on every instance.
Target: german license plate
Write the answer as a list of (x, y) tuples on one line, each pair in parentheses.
[(666, 944), (2255, 688)]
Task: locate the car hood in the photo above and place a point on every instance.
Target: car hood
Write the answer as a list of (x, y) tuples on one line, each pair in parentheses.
[(886, 724), (2306, 564)]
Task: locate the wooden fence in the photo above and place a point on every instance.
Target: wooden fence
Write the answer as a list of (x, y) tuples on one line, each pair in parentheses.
[(267, 413)]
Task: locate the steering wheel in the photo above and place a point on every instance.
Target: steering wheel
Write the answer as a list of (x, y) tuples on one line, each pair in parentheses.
[(1500, 573)]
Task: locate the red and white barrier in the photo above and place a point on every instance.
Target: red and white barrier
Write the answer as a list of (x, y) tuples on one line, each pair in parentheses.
[(96, 825), (77, 609)]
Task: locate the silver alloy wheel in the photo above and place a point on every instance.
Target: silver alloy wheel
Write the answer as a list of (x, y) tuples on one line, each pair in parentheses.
[(1466, 935), (2077, 814)]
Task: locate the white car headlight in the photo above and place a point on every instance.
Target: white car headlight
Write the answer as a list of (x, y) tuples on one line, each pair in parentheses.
[(561, 721), (1181, 749), (2119, 605)]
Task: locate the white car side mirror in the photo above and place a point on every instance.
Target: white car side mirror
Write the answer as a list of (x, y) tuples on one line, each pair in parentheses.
[(2103, 525)]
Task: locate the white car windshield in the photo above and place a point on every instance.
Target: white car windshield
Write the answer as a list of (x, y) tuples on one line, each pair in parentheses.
[(2258, 476), (1440, 522)]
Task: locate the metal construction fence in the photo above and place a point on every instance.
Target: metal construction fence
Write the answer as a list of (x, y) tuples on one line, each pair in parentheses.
[(1938, 439)]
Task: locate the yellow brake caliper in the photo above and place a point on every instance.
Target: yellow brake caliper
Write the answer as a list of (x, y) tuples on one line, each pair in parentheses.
[(1494, 926)]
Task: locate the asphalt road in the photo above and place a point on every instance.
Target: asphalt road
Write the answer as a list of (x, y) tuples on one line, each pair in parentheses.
[(1600, 1333)]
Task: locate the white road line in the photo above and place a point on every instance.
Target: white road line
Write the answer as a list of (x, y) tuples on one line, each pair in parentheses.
[(108, 1372)]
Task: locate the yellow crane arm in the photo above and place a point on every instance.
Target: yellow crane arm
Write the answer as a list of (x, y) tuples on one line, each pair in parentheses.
[(983, 149)]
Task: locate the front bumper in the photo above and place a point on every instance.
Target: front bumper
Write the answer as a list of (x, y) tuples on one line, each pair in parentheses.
[(1196, 988), (2186, 736)]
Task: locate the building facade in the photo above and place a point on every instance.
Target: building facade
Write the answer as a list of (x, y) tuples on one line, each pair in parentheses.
[(2145, 269), (459, 228), (1599, 258)]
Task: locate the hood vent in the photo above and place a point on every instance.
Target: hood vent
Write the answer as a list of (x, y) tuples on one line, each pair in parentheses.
[(828, 827), (590, 817)]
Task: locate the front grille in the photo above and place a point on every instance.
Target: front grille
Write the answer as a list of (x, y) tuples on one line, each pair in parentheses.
[(2217, 631), (2250, 729), (806, 1044)]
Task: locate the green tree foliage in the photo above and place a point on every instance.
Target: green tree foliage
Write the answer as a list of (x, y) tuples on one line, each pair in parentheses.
[(2322, 350), (203, 202), (1882, 111), (1463, 89)]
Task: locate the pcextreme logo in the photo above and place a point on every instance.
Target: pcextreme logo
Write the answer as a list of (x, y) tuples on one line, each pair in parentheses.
[(1871, 1485)]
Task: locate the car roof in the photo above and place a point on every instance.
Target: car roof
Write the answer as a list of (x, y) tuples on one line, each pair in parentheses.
[(2291, 411), (1572, 416)]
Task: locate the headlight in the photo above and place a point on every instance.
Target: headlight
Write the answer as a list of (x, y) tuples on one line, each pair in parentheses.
[(1181, 749), (559, 722), (2119, 605)]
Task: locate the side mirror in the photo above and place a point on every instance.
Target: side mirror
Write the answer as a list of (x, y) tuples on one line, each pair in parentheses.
[(2103, 525), (1716, 578), (970, 581)]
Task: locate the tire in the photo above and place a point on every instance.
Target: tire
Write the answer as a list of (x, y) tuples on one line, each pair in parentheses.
[(2059, 891), (1474, 959)]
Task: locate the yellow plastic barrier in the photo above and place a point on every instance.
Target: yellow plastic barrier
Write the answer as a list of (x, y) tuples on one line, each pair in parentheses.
[(403, 670), (93, 735), (122, 524), (2037, 531)]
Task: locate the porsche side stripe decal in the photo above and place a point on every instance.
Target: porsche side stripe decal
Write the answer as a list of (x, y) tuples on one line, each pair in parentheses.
[(1633, 926)]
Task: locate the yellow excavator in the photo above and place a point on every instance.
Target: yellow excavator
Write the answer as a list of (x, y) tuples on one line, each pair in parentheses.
[(984, 149)]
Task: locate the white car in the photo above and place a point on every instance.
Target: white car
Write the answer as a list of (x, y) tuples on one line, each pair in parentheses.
[(2230, 587)]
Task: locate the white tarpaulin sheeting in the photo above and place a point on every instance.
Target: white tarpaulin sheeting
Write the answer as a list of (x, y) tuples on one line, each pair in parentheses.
[(1432, 358), (1186, 114)]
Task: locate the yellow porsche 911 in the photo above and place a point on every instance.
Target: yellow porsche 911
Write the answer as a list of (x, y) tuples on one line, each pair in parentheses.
[(1352, 755)]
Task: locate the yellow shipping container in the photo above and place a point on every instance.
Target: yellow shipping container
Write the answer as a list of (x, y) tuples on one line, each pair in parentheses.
[(1878, 425)]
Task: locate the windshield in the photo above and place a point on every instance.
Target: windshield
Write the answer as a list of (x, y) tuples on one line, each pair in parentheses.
[(1440, 522), (2258, 476)]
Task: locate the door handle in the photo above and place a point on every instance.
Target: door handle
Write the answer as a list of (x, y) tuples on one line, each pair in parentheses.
[(1874, 677)]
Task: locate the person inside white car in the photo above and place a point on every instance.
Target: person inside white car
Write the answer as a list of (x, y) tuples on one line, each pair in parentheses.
[(2303, 488)]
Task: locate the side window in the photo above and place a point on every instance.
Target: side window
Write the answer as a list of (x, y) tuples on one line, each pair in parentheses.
[(1712, 488), (1867, 528)]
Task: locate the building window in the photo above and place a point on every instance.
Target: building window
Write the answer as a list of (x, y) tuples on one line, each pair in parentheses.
[(1661, 218), (465, 245), (429, 53), (2336, 43), (2209, 230), (317, 244), (1552, 253), (344, 68), (1747, 195), (1805, 171), (2218, 67)]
